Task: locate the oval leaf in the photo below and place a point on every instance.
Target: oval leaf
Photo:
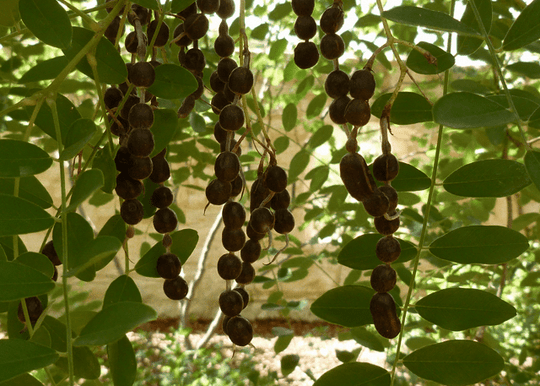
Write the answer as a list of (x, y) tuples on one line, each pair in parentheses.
[(347, 306), (316, 105), (289, 117), (19, 356), (458, 309), (465, 110), (408, 108), (298, 164), (103, 248), (104, 162), (37, 261), (420, 64), (67, 114), (87, 183), (468, 45), (112, 323), (48, 21), (455, 362), (147, 265), (30, 188), (488, 178), (173, 82), (79, 134), (184, 242), (122, 362), (22, 159), (525, 29), (529, 69), (48, 69), (355, 374), (19, 281), (409, 179), (164, 127), (480, 244), (85, 363), (19, 216), (122, 289), (359, 253), (10, 13), (532, 163)]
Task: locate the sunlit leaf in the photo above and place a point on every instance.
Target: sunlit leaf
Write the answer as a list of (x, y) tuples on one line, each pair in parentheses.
[(48, 21), (22, 159), (355, 374), (525, 29), (420, 64), (408, 108), (347, 306)]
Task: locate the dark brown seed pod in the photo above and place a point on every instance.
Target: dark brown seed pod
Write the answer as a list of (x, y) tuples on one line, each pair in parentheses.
[(392, 196), (110, 4), (226, 9), (228, 93), (276, 179), (35, 309), (231, 117), (241, 80), (305, 27), (186, 107), (131, 101), (251, 251), (383, 311), (165, 220), (132, 42), (139, 12), (358, 112), (234, 215), (233, 239), (49, 251), (141, 116), (140, 142), (239, 330), (388, 249), (219, 134), (166, 241), (306, 55), (245, 295), (132, 211), (303, 7), (119, 127), (112, 97), (262, 220), (184, 41), (281, 200), (194, 60), (163, 34), (112, 30), (332, 20), (161, 170), (337, 84), (142, 74), (200, 88), (216, 84), (356, 176), (237, 184), (284, 221), (196, 26), (225, 67), (224, 323), (162, 197), (362, 84), (127, 187), (386, 227), (227, 166), (141, 168), (385, 167), (219, 101), (377, 204), (190, 10), (383, 278), (208, 6), (252, 234), (218, 192), (55, 274), (175, 289), (259, 191), (168, 266), (224, 43), (229, 266), (337, 109), (247, 274), (332, 46), (231, 303)]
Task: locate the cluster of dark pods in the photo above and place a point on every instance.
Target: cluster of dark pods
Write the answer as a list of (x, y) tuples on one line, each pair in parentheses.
[(332, 45), (306, 54)]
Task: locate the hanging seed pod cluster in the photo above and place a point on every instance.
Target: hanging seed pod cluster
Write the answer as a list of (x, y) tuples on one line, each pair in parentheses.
[(306, 54)]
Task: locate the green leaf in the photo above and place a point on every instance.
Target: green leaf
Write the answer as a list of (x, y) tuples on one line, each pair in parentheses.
[(289, 363), (420, 64), (147, 265), (359, 253), (316, 105), (423, 17), (19, 216), (20, 356), (465, 110), (184, 243), (321, 136), (532, 164), (455, 362), (488, 178), (173, 82), (88, 182), (367, 339), (277, 49), (180, 5), (355, 374), (281, 144), (409, 179), (480, 244), (103, 248), (57, 331), (347, 306), (523, 221), (459, 309), (417, 342), (30, 188), (10, 13), (528, 69), (104, 162), (67, 114), (112, 322), (164, 127), (48, 21), (85, 363), (197, 122), (115, 227), (122, 289), (152, 4), (289, 117), (534, 119), (111, 68), (79, 134), (468, 45), (22, 380), (37, 261), (19, 281), (298, 164), (408, 108), (22, 159), (122, 362), (285, 336), (48, 69), (525, 29)]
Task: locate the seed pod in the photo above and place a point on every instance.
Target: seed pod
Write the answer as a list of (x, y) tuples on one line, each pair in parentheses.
[(332, 46), (176, 289), (112, 97), (303, 7), (141, 116), (216, 84), (337, 109), (140, 142), (251, 251), (231, 303), (225, 67), (165, 220), (332, 20), (259, 191), (356, 176), (337, 84), (233, 239), (386, 227), (252, 234), (194, 60), (388, 249), (224, 45), (262, 220), (362, 84), (236, 185), (186, 107), (306, 55), (383, 278), (162, 197), (234, 215), (140, 168), (305, 27), (284, 221), (163, 33), (229, 266), (196, 26), (245, 295), (247, 274), (239, 330), (392, 196), (218, 192), (281, 200), (385, 167), (35, 309), (127, 187), (49, 251), (231, 117), (208, 6), (168, 266), (226, 9), (227, 166), (376, 205), (241, 80), (357, 112), (276, 179), (132, 211), (184, 41), (383, 311)]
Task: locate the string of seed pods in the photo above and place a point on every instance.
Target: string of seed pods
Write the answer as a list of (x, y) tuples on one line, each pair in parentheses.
[(306, 54)]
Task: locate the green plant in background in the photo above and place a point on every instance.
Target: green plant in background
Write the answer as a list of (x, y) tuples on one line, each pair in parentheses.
[(467, 298)]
